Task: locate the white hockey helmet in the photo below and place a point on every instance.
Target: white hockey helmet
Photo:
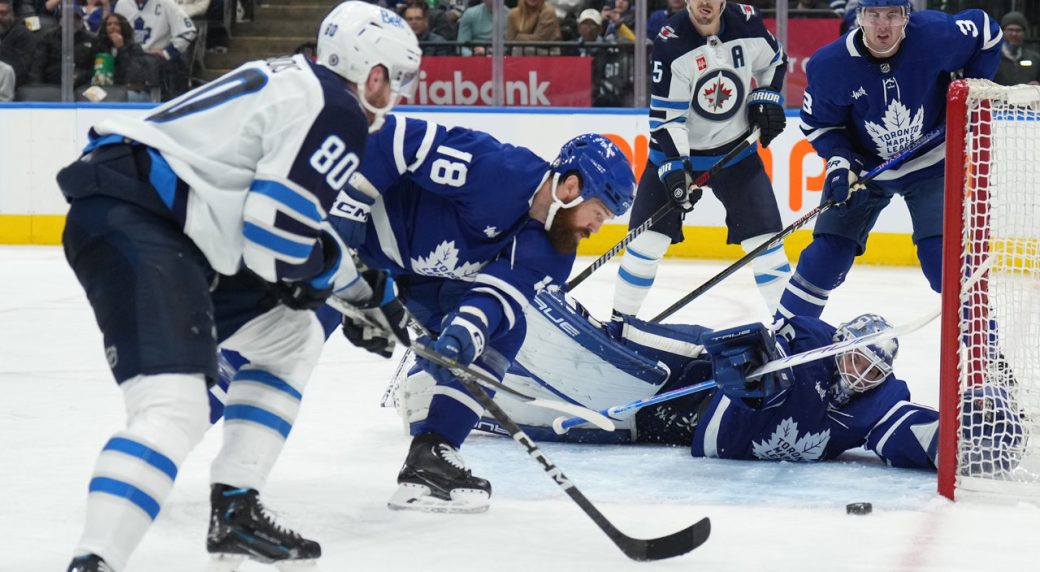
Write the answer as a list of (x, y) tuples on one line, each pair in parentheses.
[(356, 37)]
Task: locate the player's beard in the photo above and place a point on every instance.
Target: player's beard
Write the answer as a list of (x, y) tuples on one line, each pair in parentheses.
[(564, 234)]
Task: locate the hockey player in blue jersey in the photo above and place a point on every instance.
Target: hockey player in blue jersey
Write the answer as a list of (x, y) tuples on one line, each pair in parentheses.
[(206, 222), (716, 72), (470, 229), (811, 412), (870, 94)]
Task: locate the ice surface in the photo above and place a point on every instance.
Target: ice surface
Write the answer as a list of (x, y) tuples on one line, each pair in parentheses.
[(59, 406)]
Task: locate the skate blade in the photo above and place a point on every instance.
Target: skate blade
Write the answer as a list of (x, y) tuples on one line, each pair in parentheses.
[(410, 496), (232, 562), (225, 562)]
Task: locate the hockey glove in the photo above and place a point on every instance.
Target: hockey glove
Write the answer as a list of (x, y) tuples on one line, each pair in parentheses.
[(738, 351), (677, 182), (463, 338), (349, 215), (841, 176), (310, 294), (766, 111), (382, 319)]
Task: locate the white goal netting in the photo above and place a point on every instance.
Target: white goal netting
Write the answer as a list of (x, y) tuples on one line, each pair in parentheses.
[(998, 374)]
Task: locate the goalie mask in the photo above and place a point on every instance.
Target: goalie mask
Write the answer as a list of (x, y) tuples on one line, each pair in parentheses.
[(604, 171), (866, 367), (356, 37)]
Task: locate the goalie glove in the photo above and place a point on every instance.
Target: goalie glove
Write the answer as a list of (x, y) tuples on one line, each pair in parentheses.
[(738, 351), (677, 183), (381, 320)]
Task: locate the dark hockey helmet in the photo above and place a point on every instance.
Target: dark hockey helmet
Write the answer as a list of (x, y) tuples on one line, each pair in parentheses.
[(605, 172), (864, 368)]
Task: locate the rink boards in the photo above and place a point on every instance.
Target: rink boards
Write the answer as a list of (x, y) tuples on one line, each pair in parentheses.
[(38, 139)]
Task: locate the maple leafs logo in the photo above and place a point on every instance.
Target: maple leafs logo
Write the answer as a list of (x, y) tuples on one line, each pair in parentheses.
[(784, 444), (899, 128), (721, 94), (443, 262)]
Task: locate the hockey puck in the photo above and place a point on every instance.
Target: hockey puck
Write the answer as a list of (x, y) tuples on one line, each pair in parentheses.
[(858, 508)]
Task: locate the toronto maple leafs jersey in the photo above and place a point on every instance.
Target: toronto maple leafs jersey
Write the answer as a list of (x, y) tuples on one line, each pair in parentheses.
[(700, 85), (454, 204), (159, 24), (856, 104), (806, 422), (259, 157)]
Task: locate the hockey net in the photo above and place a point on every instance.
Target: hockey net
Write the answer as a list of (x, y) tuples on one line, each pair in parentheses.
[(990, 370)]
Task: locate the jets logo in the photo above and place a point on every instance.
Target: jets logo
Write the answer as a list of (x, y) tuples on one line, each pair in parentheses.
[(718, 95), (667, 33)]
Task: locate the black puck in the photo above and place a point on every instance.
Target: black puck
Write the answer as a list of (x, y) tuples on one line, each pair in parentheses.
[(858, 508)]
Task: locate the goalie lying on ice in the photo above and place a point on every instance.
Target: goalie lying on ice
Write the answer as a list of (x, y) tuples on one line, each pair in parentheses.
[(812, 412)]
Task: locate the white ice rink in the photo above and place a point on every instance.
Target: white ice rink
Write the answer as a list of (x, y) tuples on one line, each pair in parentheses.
[(58, 405)]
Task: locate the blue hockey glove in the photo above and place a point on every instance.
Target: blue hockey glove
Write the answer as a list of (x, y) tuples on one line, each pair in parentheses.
[(677, 182), (841, 175), (349, 215), (738, 351), (383, 319), (463, 338), (991, 428), (766, 111), (310, 294)]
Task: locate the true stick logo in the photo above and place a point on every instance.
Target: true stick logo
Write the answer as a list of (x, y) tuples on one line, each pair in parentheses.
[(532, 450)]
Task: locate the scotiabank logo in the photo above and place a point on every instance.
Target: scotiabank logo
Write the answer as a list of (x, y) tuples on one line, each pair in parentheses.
[(460, 91), (529, 81)]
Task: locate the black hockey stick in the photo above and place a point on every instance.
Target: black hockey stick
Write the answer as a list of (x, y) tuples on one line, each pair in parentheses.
[(859, 185), (674, 544), (749, 139)]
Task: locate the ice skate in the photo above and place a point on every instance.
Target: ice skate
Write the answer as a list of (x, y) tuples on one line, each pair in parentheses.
[(434, 478), (240, 528)]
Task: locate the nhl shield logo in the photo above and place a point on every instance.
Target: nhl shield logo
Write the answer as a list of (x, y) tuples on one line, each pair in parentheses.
[(718, 96)]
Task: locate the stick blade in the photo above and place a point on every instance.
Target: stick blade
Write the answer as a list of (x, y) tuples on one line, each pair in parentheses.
[(675, 544)]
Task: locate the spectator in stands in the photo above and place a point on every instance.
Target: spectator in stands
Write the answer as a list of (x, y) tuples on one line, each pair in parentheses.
[(16, 51), (94, 14), (476, 25), (657, 18), (416, 13), (532, 21), (444, 18), (194, 8), (620, 20), (47, 58), (133, 67), (164, 30), (611, 67), (1017, 64)]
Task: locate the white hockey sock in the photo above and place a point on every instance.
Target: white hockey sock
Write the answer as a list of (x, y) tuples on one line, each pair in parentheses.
[(772, 270), (167, 415), (638, 270)]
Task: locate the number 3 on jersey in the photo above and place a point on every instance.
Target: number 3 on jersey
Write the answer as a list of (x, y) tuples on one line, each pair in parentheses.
[(330, 161)]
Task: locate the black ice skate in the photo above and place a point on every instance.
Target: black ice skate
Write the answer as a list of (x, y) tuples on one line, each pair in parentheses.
[(240, 527), (434, 478), (89, 563)]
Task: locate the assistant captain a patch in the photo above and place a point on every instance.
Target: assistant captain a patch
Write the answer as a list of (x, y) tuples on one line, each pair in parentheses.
[(718, 95)]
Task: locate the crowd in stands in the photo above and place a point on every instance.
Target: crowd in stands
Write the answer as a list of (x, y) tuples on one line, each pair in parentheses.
[(132, 54), (131, 50)]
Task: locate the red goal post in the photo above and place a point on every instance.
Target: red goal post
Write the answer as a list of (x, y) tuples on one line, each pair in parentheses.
[(989, 429)]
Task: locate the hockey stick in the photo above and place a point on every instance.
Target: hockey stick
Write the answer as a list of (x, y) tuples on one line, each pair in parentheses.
[(894, 161), (561, 424), (674, 544), (701, 179)]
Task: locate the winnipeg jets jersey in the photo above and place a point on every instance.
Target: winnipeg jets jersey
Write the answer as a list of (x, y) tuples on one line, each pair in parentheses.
[(857, 104), (699, 85), (454, 204), (159, 24), (260, 155), (807, 423)]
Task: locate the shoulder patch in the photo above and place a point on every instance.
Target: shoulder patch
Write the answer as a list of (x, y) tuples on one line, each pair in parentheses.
[(747, 11), (667, 33)]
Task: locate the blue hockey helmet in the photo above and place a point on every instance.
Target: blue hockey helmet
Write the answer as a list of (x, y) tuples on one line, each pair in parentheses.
[(905, 4), (863, 368), (605, 172)]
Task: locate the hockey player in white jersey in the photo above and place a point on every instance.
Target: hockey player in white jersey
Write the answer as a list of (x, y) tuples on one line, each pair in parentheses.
[(205, 222), (163, 29), (870, 94), (716, 72)]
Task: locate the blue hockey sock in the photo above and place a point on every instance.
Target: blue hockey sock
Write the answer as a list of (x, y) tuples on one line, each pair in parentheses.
[(821, 268), (929, 252)]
